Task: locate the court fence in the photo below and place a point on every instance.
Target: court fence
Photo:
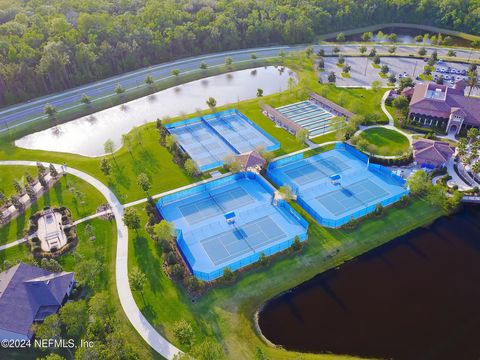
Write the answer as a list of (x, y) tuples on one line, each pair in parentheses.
[(219, 115), (281, 179), (282, 206)]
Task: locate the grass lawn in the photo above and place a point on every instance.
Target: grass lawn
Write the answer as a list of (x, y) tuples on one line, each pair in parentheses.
[(226, 312), (331, 136), (63, 193), (10, 173), (385, 141)]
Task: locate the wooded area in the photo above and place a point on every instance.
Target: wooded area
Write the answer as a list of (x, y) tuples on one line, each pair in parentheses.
[(50, 46)]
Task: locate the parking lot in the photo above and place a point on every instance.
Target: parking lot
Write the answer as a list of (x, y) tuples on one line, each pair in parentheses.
[(362, 72)]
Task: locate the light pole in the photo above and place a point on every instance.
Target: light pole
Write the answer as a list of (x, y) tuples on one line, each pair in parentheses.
[(415, 68)]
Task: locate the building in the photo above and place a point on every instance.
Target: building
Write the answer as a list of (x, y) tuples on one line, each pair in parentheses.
[(447, 107), (251, 161), (431, 153), (28, 294)]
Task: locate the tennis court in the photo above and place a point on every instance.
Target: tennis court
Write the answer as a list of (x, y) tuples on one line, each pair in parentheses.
[(209, 243), (356, 191), (209, 139), (312, 117)]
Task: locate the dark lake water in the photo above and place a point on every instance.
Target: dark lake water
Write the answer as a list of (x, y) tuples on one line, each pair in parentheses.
[(417, 297), (405, 35)]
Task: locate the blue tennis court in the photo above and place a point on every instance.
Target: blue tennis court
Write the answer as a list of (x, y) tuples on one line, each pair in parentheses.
[(312, 117), (337, 185), (209, 139), (210, 243)]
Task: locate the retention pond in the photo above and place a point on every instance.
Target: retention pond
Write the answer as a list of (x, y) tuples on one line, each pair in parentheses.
[(416, 297)]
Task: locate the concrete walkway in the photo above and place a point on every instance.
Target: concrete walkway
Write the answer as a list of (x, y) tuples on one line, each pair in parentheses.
[(13, 243), (462, 186), (139, 322), (391, 122)]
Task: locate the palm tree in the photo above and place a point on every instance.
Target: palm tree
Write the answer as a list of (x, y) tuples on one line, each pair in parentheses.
[(473, 81)]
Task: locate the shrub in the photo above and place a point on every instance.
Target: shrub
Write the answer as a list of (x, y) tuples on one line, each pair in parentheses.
[(171, 258), (379, 210), (352, 224), (227, 274), (177, 271), (183, 331), (297, 244), (263, 259)]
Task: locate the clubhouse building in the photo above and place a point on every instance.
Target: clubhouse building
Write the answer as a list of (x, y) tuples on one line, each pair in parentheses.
[(437, 105)]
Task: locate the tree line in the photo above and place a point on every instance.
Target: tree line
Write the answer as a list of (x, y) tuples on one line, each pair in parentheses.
[(48, 47)]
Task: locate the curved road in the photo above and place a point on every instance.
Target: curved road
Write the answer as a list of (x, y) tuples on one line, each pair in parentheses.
[(139, 322), (32, 110)]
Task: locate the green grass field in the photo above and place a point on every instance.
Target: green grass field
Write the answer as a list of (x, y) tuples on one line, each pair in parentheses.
[(385, 141)]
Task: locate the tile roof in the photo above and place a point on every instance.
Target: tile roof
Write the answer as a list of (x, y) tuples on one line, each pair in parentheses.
[(442, 107), (433, 152), (27, 292)]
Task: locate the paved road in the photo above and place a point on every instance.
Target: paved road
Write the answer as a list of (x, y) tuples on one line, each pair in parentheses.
[(33, 110), (139, 322)]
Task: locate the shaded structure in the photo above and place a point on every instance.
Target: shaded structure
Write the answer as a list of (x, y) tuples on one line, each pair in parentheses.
[(28, 295), (432, 153), (251, 161)]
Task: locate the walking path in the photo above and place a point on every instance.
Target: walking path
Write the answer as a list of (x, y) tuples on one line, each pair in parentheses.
[(13, 243), (139, 322)]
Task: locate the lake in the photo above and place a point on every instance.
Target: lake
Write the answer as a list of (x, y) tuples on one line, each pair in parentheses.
[(86, 135), (416, 297)]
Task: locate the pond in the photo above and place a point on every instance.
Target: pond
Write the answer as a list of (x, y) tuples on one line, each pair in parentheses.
[(405, 35), (86, 135), (416, 297)]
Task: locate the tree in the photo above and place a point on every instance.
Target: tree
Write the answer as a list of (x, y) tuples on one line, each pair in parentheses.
[(144, 182), (363, 49), (392, 49), (74, 317), (228, 61), (391, 78), (86, 272), (332, 78), (203, 66), (164, 230), (2, 198), (341, 60), (476, 167), (137, 281), (227, 274), (336, 50), (109, 148), (253, 56), (50, 110), (127, 143), (367, 36), (17, 186), (451, 53), (376, 60), (340, 37), (422, 51), (183, 331), (321, 53), (297, 244), (105, 167), (392, 37), (175, 72), (49, 329), (401, 103), (212, 103), (131, 219), (149, 80), (419, 183), (472, 134), (282, 54), (346, 69), (52, 356), (376, 85), (85, 99), (372, 53), (473, 81), (191, 167), (259, 92), (119, 89), (405, 82), (53, 171), (42, 170), (301, 135)]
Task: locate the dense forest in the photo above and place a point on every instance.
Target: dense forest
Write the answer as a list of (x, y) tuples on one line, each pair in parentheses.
[(50, 45)]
